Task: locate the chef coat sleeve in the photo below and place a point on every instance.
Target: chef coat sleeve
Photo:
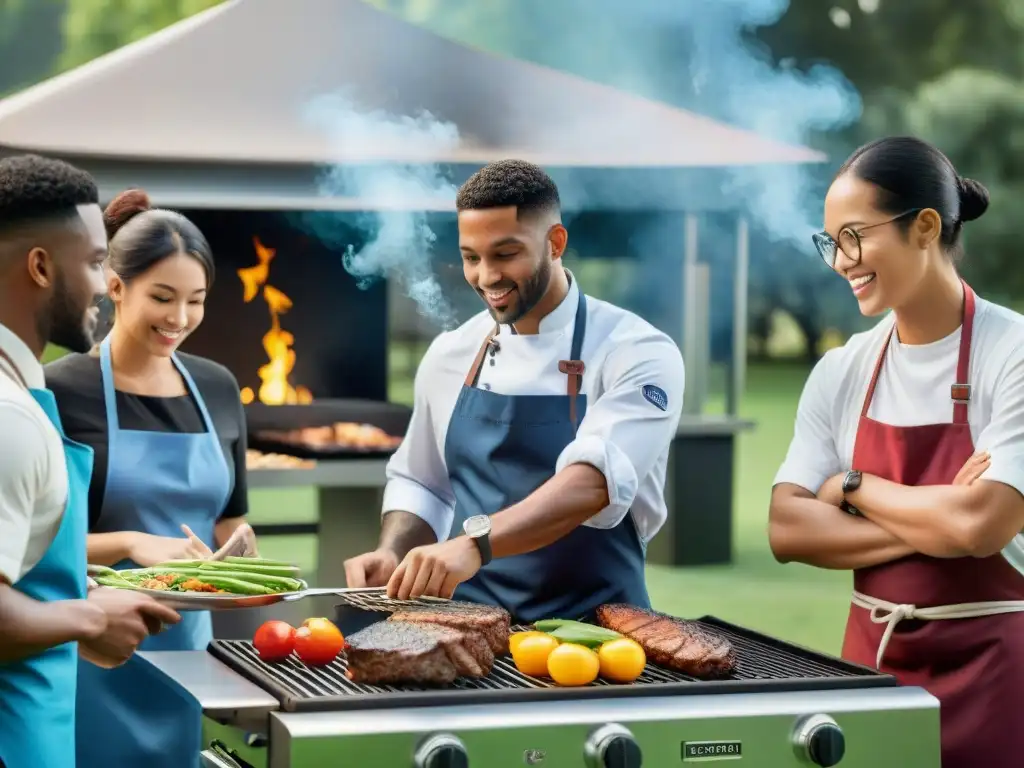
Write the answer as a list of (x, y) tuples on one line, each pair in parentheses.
[(417, 477), (812, 457), (1003, 436), (23, 465), (632, 422)]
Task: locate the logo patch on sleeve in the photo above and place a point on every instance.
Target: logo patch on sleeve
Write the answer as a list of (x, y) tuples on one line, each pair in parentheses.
[(655, 396)]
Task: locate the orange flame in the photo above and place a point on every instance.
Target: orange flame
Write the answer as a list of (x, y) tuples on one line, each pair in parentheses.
[(275, 388)]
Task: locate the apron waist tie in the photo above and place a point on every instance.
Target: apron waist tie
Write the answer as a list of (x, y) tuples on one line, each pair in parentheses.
[(891, 614)]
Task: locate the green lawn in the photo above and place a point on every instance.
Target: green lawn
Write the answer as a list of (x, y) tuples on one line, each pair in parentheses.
[(797, 603)]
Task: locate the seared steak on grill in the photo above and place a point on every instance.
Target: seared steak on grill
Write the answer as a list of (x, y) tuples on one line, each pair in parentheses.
[(684, 646), (467, 649), (492, 622), (395, 652)]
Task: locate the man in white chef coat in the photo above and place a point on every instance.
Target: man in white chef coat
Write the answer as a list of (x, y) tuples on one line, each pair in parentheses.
[(52, 247), (532, 473)]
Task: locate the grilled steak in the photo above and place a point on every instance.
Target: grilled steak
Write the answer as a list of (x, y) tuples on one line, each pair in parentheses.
[(684, 646), (492, 622), (396, 652), (467, 649)]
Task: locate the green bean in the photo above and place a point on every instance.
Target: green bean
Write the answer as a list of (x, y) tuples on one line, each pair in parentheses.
[(107, 580), (258, 561), (270, 570), (273, 583), (235, 586)]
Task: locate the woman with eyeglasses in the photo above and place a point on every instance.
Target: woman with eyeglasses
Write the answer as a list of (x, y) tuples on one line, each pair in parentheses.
[(907, 460)]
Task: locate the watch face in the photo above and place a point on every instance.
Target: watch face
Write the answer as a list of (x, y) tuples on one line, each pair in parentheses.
[(477, 525)]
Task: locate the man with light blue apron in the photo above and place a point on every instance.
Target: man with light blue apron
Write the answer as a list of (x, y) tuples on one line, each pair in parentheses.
[(537, 450), (156, 481), (52, 245), (37, 703)]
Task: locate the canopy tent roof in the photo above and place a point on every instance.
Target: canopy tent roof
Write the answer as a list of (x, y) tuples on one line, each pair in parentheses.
[(233, 85)]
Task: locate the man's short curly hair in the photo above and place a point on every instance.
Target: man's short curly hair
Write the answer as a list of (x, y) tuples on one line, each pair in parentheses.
[(35, 188), (507, 183)]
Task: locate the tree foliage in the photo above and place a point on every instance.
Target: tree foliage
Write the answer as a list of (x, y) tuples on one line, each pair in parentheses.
[(95, 27)]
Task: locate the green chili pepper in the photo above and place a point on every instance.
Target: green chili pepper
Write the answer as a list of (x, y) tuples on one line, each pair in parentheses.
[(550, 625), (577, 632)]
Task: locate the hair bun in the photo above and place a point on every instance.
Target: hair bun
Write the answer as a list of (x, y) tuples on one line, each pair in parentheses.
[(124, 208), (973, 199)]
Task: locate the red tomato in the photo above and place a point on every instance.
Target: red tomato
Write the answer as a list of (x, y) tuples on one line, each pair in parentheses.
[(274, 641), (318, 642)]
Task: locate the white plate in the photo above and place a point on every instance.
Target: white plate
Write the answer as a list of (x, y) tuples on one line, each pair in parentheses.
[(208, 601)]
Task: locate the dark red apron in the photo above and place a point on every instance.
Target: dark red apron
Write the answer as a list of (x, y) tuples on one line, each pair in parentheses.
[(974, 666)]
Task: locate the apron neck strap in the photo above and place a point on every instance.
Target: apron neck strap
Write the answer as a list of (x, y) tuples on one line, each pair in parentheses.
[(478, 362), (572, 368), (960, 391), (14, 373)]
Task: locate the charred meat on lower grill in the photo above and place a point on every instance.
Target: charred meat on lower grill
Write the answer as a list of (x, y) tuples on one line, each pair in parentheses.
[(492, 622), (684, 646), (467, 649), (395, 652)]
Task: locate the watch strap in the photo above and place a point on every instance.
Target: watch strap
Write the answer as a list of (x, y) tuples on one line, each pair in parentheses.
[(483, 543)]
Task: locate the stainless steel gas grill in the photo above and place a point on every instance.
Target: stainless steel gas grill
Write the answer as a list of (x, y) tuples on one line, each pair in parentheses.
[(783, 706), (763, 664)]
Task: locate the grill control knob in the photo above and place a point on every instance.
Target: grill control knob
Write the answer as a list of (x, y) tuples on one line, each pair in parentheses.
[(612, 746), (441, 750), (819, 740)]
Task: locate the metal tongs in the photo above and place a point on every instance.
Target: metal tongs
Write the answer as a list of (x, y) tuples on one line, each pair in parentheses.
[(332, 592), (342, 592)]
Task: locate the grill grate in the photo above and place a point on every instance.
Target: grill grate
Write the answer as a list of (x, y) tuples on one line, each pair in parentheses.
[(763, 664)]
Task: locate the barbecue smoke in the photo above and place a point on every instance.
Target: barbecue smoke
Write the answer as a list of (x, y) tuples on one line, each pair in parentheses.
[(699, 55), (703, 56), (398, 240)]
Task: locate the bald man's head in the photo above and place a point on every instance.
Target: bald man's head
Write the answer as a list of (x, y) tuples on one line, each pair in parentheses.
[(52, 247)]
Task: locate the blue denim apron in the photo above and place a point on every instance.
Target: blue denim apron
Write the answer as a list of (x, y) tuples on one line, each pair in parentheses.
[(499, 449), (155, 482), (37, 695)]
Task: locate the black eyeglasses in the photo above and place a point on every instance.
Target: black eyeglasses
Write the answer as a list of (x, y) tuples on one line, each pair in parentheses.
[(849, 240)]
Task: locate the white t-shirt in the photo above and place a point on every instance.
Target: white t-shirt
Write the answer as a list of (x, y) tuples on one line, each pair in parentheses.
[(626, 431), (33, 470), (913, 389)]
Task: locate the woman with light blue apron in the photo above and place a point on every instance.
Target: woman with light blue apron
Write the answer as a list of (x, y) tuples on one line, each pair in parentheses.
[(156, 481), (37, 701), (162, 462)]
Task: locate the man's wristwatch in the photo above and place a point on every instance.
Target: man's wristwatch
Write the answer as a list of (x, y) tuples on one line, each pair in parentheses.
[(478, 528), (851, 482)]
